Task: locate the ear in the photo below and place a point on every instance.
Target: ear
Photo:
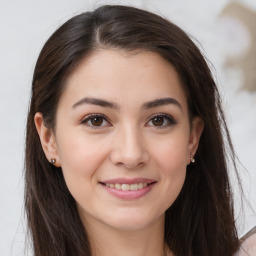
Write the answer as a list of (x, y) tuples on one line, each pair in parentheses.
[(47, 139), (197, 127)]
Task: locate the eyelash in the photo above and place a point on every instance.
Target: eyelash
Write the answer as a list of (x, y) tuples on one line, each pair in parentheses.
[(167, 118), (89, 118)]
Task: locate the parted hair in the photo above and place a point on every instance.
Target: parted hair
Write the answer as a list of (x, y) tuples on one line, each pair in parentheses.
[(201, 220)]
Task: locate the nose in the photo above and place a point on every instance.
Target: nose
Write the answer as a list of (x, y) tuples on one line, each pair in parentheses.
[(129, 149)]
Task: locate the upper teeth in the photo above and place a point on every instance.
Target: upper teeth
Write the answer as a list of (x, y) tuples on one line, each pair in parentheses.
[(134, 186)]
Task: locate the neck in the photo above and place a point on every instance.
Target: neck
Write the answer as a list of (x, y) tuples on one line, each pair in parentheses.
[(108, 241)]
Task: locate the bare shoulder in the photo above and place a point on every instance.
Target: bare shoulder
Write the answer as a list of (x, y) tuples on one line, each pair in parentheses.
[(248, 244)]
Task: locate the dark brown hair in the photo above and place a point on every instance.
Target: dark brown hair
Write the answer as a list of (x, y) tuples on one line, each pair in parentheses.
[(201, 220)]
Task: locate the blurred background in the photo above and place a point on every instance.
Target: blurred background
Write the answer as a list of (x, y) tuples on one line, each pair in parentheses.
[(224, 30)]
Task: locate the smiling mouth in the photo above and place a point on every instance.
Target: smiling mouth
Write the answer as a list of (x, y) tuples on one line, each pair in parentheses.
[(127, 187)]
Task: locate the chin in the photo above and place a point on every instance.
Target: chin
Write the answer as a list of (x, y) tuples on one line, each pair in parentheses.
[(132, 221), (129, 224)]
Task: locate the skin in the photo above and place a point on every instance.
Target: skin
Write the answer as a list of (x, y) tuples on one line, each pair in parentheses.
[(129, 142)]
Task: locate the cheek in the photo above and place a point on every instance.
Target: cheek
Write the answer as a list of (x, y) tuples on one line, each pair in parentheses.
[(80, 158), (173, 163), (171, 159), (171, 154)]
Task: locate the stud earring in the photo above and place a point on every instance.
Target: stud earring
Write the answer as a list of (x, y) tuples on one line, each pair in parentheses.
[(53, 161), (192, 159)]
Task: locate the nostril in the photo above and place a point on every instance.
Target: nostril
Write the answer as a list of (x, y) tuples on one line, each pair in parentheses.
[(131, 166)]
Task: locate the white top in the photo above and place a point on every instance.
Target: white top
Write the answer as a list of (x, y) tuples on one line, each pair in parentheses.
[(248, 246)]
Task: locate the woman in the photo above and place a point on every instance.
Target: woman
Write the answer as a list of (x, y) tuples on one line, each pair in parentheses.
[(125, 149)]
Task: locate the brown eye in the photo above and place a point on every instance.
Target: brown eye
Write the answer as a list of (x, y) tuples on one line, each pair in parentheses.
[(158, 121), (97, 121), (161, 121)]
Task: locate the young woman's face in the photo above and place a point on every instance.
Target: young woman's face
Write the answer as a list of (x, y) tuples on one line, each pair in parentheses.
[(123, 138)]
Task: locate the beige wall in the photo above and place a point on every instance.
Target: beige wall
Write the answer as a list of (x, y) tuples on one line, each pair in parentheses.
[(244, 18)]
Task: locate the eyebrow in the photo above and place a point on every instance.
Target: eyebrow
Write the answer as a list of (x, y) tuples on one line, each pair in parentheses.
[(161, 102), (95, 101), (108, 104)]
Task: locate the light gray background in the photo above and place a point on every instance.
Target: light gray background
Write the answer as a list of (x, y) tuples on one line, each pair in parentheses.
[(26, 25)]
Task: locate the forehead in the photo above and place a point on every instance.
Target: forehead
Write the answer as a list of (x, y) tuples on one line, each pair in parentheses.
[(120, 75)]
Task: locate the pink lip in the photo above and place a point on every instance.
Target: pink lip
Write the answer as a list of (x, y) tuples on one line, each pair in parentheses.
[(128, 194), (128, 181)]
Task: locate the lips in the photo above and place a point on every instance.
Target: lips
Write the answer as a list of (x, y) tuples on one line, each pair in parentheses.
[(127, 181), (128, 189)]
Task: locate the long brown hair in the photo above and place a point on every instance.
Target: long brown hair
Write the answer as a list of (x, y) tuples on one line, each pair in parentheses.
[(201, 220)]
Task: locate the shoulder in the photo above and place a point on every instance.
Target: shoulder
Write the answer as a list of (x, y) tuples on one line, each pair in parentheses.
[(248, 244)]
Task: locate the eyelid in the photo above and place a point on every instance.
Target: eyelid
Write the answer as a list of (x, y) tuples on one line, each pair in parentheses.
[(170, 119), (87, 118)]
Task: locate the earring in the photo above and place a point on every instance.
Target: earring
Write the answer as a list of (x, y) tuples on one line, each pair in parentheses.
[(192, 159), (53, 161)]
